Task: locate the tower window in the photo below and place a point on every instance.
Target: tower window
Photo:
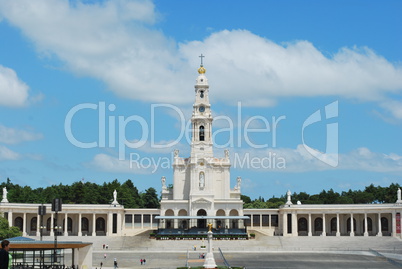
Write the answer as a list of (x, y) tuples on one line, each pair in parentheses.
[(202, 94), (202, 133)]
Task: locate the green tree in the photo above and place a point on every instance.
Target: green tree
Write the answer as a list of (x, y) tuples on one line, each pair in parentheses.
[(246, 199), (129, 196), (6, 231), (150, 198)]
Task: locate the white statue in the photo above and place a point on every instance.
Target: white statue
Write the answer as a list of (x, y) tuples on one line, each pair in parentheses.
[(226, 153), (202, 180), (115, 198), (398, 194), (163, 180), (5, 193), (4, 200), (289, 202), (176, 153), (299, 203), (238, 185)]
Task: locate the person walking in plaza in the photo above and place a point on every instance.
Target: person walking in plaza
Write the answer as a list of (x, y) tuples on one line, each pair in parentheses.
[(4, 255)]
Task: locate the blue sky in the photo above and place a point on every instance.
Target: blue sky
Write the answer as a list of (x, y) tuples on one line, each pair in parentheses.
[(326, 74)]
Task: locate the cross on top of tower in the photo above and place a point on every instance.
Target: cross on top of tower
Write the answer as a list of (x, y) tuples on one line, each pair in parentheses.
[(201, 56), (201, 70)]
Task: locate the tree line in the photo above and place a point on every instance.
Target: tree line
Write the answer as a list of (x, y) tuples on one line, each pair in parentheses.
[(84, 193), (129, 196), (370, 195)]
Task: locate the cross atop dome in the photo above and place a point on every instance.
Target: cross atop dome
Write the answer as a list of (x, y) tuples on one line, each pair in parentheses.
[(201, 70), (201, 56)]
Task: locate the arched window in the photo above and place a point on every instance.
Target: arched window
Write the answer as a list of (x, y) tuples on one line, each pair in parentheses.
[(302, 225), (384, 224), (202, 133), (201, 223), (85, 224), (18, 222), (333, 224), (318, 225), (100, 225), (34, 222), (202, 94)]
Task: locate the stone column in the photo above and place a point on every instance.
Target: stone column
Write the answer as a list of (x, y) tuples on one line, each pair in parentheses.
[(352, 230), (119, 223), (324, 230), (379, 225), (132, 222), (338, 233), (38, 225), (79, 224), (309, 225), (66, 224), (269, 220), (24, 225), (251, 221), (294, 224), (284, 224), (51, 224), (10, 219), (241, 224), (394, 224), (260, 221), (109, 224), (209, 258), (93, 224), (365, 225)]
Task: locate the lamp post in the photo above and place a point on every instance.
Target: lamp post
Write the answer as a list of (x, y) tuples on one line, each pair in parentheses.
[(56, 207), (41, 213)]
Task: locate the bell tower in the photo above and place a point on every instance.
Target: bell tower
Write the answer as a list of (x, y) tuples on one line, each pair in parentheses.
[(201, 120)]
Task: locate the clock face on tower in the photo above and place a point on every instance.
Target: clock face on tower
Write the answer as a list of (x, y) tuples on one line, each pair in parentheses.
[(202, 108)]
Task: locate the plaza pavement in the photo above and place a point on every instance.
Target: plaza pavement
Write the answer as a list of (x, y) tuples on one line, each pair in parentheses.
[(262, 252)]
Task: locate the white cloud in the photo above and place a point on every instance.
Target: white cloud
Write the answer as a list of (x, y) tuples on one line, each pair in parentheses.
[(7, 154), (13, 91), (15, 136), (299, 160), (136, 164), (394, 107), (116, 42)]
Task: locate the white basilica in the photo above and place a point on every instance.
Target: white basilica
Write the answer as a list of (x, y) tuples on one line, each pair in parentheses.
[(201, 190), (202, 194)]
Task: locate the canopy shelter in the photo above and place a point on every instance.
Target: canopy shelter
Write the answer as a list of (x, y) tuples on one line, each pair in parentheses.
[(193, 225), (31, 253)]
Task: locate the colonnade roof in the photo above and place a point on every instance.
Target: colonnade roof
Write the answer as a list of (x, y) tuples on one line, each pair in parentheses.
[(202, 217)]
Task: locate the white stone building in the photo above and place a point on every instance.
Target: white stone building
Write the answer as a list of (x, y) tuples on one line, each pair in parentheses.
[(201, 182)]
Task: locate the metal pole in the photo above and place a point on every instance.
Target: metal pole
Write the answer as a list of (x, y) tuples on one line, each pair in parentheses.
[(55, 229)]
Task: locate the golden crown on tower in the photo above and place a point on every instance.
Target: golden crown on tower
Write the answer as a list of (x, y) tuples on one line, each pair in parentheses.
[(201, 70)]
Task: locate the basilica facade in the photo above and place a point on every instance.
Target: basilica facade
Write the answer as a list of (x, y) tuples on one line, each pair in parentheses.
[(202, 194), (201, 182)]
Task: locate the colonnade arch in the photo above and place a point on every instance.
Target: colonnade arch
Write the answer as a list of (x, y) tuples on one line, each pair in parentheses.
[(364, 224), (201, 223)]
